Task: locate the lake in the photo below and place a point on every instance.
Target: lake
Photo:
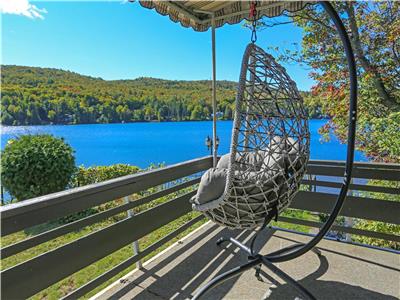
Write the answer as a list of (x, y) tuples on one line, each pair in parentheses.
[(141, 144)]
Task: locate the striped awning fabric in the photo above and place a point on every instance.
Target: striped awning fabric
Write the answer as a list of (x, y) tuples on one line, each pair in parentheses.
[(198, 14)]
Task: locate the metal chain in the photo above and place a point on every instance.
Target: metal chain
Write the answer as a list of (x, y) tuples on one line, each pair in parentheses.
[(253, 15), (253, 32)]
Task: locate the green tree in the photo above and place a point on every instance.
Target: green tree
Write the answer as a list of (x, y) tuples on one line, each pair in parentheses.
[(197, 113), (374, 28), (148, 112), (6, 118), (163, 112), (228, 113), (36, 165)]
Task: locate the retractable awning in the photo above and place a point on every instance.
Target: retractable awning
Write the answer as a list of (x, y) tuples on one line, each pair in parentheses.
[(198, 14)]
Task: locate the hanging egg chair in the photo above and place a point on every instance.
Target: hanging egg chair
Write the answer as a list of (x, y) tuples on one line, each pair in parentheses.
[(269, 149)]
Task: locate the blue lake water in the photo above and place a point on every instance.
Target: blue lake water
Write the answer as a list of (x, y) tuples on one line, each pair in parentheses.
[(141, 144)]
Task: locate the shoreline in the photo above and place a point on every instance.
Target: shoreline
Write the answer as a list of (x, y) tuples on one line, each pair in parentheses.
[(135, 122)]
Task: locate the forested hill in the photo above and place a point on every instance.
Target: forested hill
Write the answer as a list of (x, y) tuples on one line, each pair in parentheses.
[(32, 95)]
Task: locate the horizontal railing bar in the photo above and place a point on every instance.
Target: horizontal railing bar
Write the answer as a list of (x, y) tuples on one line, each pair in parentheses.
[(351, 230), (46, 269), (375, 165), (81, 291), (95, 194), (356, 207), (48, 235), (50, 267), (354, 187), (38, 210), (358, 172)]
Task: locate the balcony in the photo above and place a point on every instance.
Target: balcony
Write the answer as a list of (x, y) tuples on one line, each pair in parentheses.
[(345, 270)]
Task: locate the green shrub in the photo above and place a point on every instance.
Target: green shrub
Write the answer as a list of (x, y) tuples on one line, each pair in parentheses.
[(90, 175), (380, 226), (85, 176), (36, 165)]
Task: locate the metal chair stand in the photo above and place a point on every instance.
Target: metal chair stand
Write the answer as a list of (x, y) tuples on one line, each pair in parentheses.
[(256, 261)]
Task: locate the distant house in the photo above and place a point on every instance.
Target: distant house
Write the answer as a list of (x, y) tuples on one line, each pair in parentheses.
[(219, 114)]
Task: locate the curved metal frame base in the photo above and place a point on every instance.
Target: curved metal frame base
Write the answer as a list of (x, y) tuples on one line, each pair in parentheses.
[(255, 261), (297, 250)]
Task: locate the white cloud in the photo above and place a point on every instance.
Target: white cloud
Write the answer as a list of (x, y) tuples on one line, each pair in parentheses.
[(21, 7)]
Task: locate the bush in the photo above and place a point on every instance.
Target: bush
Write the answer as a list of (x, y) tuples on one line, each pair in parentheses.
[(36, 165), (90, 175), (380, 226), (85, 176)]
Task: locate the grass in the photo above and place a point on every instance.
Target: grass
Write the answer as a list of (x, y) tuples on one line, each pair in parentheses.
[(81, 277), (296, 214), (84, 275)]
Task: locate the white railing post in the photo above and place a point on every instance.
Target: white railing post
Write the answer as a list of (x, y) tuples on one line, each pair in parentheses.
[(135, 244), (348, 221)]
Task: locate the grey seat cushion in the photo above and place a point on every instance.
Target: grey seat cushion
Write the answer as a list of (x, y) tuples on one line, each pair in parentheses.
[(283, 152), (223, 162), (211, 187), (249, 160), (257, 185)]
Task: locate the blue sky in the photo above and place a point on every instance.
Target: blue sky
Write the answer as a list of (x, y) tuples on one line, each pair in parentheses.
[(116, 40)]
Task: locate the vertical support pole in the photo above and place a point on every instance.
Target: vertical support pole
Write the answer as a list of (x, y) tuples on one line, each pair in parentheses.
[(314, 179), (135, 244), (214, 93), (2, 195), (310, 186)]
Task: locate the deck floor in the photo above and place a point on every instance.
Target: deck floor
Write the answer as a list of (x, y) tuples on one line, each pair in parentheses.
[(343, 271)]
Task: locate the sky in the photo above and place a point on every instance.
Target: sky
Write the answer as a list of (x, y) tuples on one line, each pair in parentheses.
[(122, 40)]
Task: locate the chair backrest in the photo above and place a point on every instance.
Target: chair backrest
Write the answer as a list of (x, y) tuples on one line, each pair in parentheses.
[(269, 147), (270, 135)]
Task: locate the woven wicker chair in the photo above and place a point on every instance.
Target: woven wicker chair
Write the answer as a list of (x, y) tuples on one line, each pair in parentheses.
[(269, 149)]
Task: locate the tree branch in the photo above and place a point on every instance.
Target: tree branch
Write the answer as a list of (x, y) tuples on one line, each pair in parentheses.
[(306, 16), (365, 63)]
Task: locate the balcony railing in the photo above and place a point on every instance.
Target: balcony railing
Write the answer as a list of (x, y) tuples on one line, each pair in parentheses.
[(36, 274)]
